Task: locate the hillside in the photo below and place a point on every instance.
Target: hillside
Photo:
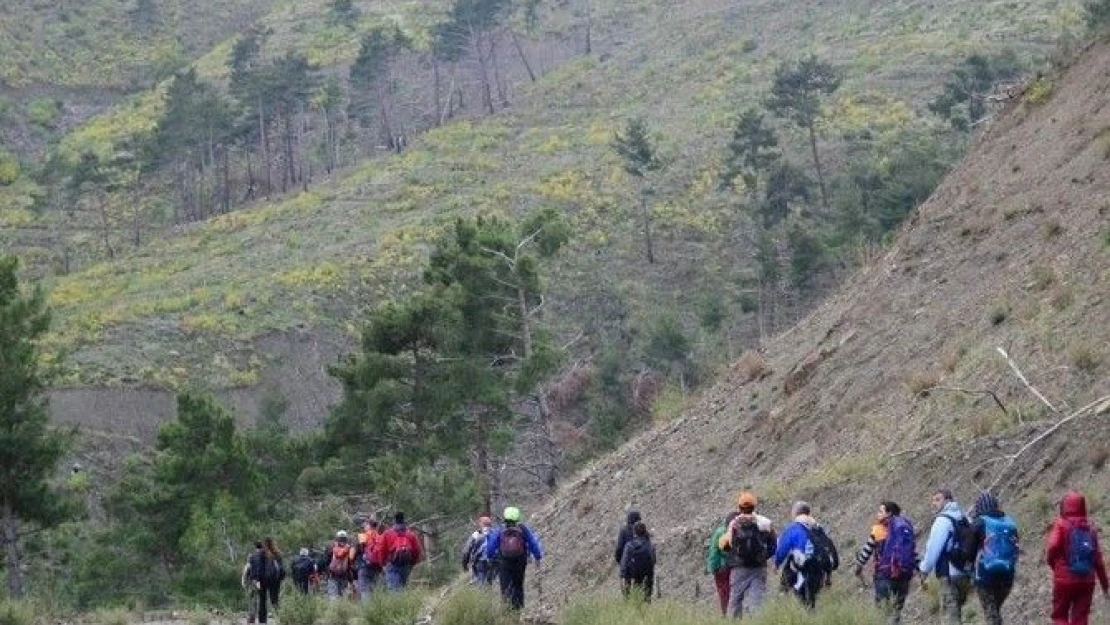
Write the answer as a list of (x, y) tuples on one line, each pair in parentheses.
[(195, 305), (861, 401)]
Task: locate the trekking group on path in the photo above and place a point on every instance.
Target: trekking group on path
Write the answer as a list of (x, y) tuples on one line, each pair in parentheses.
[(977, 551)]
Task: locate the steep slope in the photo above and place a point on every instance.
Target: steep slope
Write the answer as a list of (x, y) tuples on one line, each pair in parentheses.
[(1012, 251), (192, 306)]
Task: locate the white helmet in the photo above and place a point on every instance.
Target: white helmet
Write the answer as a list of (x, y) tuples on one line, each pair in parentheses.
[(341, 534)]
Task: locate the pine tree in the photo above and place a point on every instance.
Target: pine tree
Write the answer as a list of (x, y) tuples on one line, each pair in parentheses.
[(797, 94), (29, 449), (751, 152), (372, 84), (641, 160)]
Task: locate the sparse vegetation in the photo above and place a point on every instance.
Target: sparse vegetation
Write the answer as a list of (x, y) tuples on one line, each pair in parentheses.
[(1038, 91), (388, 608), (1085, 358), (115, 616), (1052, 229), (999, 313), (920, 382), (833, 609), (14, 612), (473, 606)]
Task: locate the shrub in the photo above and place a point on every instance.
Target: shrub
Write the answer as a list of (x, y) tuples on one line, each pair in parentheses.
[(43, 112), (1038, 91), (1097, 14), (1052, 230), (9, 168), (919, 382), (111, 616), (298, 609), (999, 313), (200, 616), (17, 613), (1085, 358), (391, 608), (340, 612), (473, 606)]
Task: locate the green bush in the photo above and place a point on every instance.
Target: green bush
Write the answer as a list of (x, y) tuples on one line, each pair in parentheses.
[(17, 613), (43, 112), (298, 609), (341, 612), (1097, 13), (391, 608), (473, 606), (9, 168)]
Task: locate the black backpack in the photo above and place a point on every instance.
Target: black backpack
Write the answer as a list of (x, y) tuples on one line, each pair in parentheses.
[(640, 563), (962, 549), (825, 558), (275, 571), (302, 567), (749, 545)]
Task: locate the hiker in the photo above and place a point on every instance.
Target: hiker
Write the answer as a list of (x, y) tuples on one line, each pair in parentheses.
[(748, 543), (474, 560), (510, 547), (303, 568), (893, 545), (250, 588), (257, 575), (638, 563), (368, 570), (399, 549), (715, 563), (946, 555), (1075, 557), (625, 534), (808, 554), (996, 542), (275, 571), (339, 565)]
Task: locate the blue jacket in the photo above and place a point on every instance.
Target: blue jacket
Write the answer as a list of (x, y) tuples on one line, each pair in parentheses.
[(795, 538), (940, 541), (493, 543)]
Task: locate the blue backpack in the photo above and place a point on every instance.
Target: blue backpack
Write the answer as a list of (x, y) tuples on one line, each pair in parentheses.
[(1081, 550), (898, 555), (1000, 547)]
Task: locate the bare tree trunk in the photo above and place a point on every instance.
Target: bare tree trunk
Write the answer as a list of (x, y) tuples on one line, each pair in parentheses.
[(265, 148), (522, 55), (502, 94), (649, 239), (483, 72), (436, 91), (12, 557), (546, 421), (226, 200), (589, 26), (817, 166)]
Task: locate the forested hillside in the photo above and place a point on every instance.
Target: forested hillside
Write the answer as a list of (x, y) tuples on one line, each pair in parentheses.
[(363, 256)]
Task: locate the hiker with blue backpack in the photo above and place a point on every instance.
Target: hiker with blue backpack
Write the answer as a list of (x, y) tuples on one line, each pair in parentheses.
[(996, 542), (1074, 555), (893, 544), (510, 546), (809, 556), (949, 555)]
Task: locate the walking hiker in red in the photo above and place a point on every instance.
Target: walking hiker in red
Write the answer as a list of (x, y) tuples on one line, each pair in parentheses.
[(1074, 555)]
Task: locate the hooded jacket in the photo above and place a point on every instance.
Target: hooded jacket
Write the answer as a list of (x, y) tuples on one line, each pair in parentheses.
[(636, 544), (625, 534), (940, 540), (795, 540), (531, 541), (393, 539), (1073, 513)]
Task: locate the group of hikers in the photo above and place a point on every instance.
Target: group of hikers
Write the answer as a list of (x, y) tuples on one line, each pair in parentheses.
[(344, 569), (977, 550)]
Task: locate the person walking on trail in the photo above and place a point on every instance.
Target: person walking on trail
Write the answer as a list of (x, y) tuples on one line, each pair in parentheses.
[(893, 545), (399, 549), (250, 589), (339, 565), (807, 555), (638, 564), (946, 555), (303, 567), (1075, 557), (368, 569), (474, 560), (275, 571), (748, 542), (510, 547), (625, 534), (257, 577), (996, 543), (715, 563)]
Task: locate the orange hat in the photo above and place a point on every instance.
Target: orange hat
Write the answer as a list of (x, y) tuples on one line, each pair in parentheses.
[(747, 500)]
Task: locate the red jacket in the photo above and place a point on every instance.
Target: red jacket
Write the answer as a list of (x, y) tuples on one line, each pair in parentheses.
[(393, 538), (1073, 513)]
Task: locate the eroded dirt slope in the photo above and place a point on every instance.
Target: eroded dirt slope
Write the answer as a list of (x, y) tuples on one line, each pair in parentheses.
[(1012, 251)]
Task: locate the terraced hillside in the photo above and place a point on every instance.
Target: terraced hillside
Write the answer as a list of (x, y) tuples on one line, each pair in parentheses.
[(197, 304), (884, 391)]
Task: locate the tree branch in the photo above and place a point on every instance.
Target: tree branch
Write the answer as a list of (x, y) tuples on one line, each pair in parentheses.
[(1024, 381)]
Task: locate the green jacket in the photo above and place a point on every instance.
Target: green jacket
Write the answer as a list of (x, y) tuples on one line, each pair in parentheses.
[(714, 557)]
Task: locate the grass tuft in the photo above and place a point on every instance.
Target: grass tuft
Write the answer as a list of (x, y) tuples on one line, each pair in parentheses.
[(471, 606), (17, 613), (298, 609), (390, 608), (111, 616), (832, 609)]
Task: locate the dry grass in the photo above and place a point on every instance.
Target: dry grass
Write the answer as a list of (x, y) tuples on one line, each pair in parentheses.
[(920, 382)]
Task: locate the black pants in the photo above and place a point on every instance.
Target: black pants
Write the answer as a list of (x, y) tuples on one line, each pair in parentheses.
[(642, 584), (890, 595), (511, 576), (263, 600), (992, 594), (274, 591), (301, 585)]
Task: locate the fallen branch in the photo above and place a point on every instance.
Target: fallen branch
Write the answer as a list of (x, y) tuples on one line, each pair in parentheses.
[(1097, 407), (915, 450), (969, 391), (1024, 381)]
